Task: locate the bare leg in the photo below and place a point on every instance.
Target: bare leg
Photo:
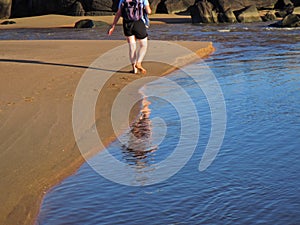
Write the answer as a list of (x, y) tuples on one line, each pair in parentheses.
[(132, 52), (141, 54)]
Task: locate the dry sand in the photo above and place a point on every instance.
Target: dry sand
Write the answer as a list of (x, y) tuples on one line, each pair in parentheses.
[(38, 80)]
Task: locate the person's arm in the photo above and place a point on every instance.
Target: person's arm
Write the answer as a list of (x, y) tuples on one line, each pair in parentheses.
[(116, 19), (148, 9)]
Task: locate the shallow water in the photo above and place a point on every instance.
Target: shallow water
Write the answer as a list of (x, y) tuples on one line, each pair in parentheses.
[(255, 176)]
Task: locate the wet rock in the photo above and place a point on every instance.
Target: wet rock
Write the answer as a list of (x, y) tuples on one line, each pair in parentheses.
[(85, 24), (5, 8), (292, 20), (248, 15)]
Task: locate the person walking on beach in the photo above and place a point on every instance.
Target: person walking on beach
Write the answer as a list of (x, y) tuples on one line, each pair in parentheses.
[(134, 29)]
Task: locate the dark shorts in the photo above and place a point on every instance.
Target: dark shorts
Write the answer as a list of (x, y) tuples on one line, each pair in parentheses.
[(136, 28)]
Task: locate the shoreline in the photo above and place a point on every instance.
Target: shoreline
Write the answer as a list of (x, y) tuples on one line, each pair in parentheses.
[(38, 80), (62, 21)]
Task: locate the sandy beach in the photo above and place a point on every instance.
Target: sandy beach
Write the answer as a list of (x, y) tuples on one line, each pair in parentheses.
[(38, 80)]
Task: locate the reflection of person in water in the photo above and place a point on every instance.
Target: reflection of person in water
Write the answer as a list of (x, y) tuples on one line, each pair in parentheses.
[(139, 143)]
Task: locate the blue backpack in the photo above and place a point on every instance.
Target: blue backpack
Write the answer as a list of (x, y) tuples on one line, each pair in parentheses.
[(132, 10)]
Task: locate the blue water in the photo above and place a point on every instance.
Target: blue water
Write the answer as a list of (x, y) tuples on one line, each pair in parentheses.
[(255, 176)]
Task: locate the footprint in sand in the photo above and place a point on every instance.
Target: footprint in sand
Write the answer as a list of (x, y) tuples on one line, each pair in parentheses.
[(10, 103), (124, 78), (28, 99)]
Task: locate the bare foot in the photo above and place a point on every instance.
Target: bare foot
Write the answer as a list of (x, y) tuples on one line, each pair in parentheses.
[(134, 69), (140, 68)]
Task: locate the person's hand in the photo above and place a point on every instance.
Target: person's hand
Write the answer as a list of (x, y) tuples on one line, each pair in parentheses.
[(111, 30)]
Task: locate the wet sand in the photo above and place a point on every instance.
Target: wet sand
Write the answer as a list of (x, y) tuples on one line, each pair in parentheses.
[(55, 21), (38, 80)]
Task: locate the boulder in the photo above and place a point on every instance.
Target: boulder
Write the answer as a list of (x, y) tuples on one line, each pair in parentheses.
[(296, 10), (248, 15), (76, 10), (269, 16), (203, 12), (5, 8), (292, 20), (175, 6), (84, 24), (236, 5), (227, 17)]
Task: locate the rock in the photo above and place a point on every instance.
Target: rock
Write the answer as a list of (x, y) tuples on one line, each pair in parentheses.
[(296, 3), (281, 4), (7, 22), (292, 20), (76, 10), (5, 8), (296, 10), (227, 17), (235, 5), (203, 12), (175, 6), (154, 5), (269, 16), (84, 24), (97, 5), (249, 14)]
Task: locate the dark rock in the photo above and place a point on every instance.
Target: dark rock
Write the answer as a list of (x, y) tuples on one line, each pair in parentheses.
[(269, 16), (97, 5), (248, 15), (5, 8), (203, 12), (77, 10), (292, 20), (296, 3), (158, 6), (285, 7), (85, 24), (281, 4), (7, 22)]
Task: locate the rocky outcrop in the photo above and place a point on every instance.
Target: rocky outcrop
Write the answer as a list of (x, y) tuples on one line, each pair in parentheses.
[(22, 8), (175, 6), (245, 11), (5, 8), (202, 11), (248, 15)]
